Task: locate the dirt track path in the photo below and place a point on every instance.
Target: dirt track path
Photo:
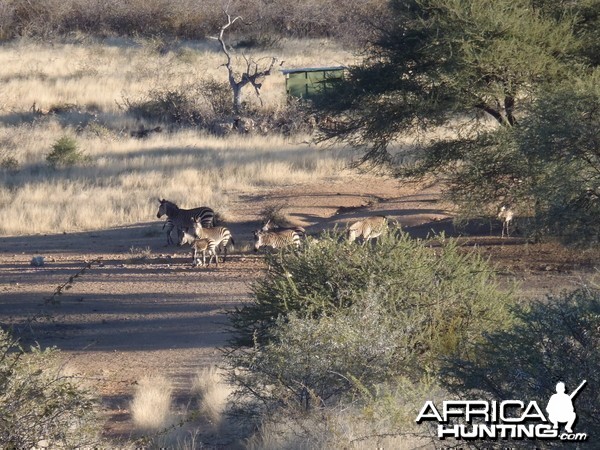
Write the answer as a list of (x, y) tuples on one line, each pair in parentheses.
[(128, 316)]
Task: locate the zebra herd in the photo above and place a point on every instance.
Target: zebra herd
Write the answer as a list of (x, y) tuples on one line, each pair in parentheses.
[(197, 227)]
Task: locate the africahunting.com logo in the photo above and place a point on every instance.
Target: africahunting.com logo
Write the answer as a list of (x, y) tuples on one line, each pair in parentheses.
[(507, 419)]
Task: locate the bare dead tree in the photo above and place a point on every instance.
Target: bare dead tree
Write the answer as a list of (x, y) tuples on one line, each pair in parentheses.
[(252, 75)]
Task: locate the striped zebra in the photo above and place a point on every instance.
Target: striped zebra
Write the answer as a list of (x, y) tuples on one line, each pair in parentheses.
[(276, 238), (178, 218), (221, 235), (200, 245), (269, 226), (367, 229)]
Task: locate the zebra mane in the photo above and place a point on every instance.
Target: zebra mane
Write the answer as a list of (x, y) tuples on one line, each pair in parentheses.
[(171, 208)]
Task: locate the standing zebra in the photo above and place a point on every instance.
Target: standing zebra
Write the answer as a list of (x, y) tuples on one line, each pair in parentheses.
[(367, 229), (221, 235), (179, 219), (276, 238), (200, 245)]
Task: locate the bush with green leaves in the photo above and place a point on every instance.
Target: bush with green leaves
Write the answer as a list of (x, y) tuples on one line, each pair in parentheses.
[(38, 403), (547, 168), (335, 317), (65, 153), (432, 278), (552, 340)]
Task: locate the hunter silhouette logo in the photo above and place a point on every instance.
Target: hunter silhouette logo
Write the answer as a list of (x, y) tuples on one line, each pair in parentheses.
[(506, 419), (560, 407)]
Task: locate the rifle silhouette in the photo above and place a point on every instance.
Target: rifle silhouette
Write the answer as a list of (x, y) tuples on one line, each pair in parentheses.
[(576, 391)]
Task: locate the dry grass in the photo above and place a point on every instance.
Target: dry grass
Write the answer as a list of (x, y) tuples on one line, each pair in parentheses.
[(151, 404), (121, 177), (213, 393), (344, 433), (101, 73)]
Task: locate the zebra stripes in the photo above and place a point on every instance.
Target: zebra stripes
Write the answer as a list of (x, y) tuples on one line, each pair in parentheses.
[(221, 235), (275, 239), (178, 218), (269, 226), (200, 245), (367, 229)]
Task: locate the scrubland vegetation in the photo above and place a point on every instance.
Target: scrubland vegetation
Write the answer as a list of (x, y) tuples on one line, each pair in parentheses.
[(340, 344), (92, 97)]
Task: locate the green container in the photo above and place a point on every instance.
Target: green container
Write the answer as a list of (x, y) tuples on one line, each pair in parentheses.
[(310, 82)]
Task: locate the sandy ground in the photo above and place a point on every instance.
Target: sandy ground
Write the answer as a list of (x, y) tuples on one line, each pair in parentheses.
[(140, 309)]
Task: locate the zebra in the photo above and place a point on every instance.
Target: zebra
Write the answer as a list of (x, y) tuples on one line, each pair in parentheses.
[(367, 229), (506, 215), (221, 235), (268, 226), (178, 218), (276, 238), (200, 245)]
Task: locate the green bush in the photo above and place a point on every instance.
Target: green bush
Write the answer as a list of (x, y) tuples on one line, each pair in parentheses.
[(552, 340), (453, 294), (38, 403), (335, 318), (65, 153)]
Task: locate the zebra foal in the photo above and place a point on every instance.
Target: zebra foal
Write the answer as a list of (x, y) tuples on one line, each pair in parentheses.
[(221, 235), (178, 218), (367, 229), (275, 239), (200, 245)]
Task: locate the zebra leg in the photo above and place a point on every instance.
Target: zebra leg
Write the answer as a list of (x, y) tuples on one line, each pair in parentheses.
[(169, 226)]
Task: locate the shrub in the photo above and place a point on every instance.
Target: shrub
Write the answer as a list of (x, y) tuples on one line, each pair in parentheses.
[(9, 163), (190, 105), (553, 340), (454, 295), (335, 319), (65, 153), (38, 403), (316, 361)]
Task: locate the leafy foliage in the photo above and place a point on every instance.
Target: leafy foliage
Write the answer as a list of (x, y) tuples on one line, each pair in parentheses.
[(38, 403), (553, 340), (436, 59), (561, 139), (336, 317), (65, 153), (528, 65), (547, 168)]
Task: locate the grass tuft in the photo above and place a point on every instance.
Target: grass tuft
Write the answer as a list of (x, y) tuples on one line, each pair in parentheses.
[(151, 404)]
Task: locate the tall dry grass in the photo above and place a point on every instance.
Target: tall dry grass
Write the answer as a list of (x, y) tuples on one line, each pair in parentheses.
[(151, 404), (122, 176), (213, 393)]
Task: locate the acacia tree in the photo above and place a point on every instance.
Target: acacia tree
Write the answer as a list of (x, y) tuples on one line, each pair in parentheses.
[(254, 73), (449, 62), (437, 59)]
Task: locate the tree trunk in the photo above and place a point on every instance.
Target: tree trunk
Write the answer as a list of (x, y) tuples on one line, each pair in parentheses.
[(237, 98)]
